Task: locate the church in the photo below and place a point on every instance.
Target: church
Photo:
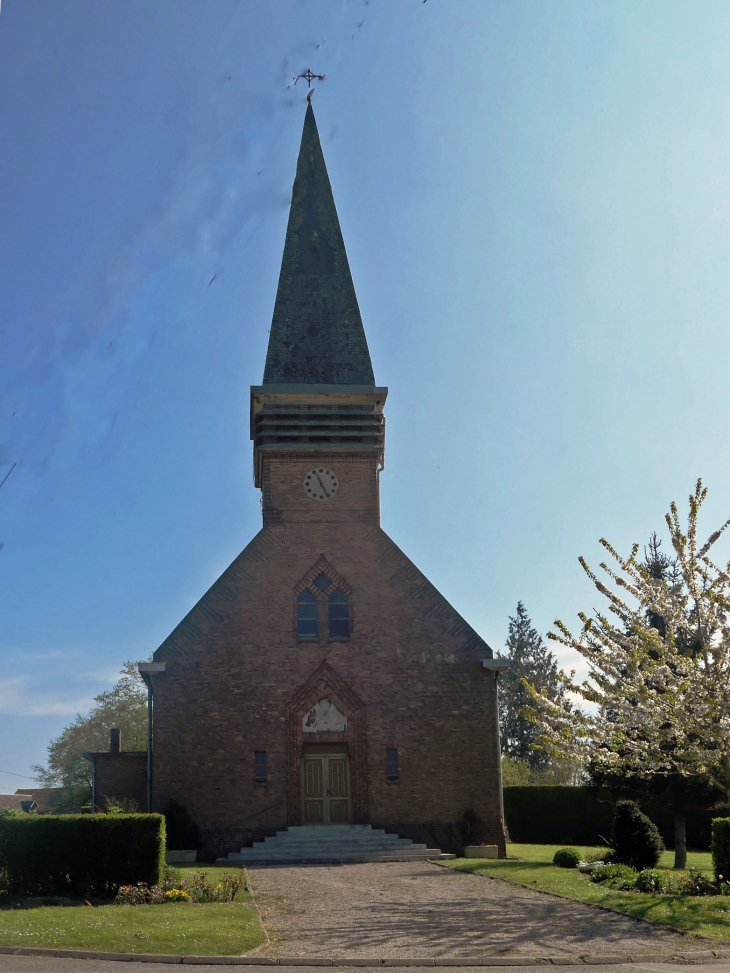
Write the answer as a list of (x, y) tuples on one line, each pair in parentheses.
[(322, 679)]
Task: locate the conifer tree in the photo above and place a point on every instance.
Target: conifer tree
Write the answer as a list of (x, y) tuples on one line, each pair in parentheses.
[(530, 661)]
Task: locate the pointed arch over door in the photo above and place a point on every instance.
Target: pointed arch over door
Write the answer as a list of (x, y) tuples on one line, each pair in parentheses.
[(326, 691)]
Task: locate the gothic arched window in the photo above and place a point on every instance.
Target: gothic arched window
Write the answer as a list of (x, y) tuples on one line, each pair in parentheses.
[(306, 614), (338, 611)]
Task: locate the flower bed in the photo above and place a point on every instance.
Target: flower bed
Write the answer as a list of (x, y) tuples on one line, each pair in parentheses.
[(654, 880), (198, 888)]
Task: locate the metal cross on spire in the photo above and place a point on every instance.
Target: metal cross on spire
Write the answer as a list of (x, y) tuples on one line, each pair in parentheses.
[(308, 77)]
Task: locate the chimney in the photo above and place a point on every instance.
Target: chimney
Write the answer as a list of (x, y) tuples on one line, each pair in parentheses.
[(115, 741)]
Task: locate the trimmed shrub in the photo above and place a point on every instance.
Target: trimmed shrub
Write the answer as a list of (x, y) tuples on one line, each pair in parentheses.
[(566, 858), (636, 840), (721, 848), (81, 854)]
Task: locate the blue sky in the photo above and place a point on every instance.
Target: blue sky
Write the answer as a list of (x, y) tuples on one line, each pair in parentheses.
[(535, 202)]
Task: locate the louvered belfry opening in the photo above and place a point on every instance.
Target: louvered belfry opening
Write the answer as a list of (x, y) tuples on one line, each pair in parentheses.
[(321, 425)]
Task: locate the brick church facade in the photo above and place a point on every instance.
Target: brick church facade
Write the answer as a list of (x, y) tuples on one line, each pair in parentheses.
[(322, 678)]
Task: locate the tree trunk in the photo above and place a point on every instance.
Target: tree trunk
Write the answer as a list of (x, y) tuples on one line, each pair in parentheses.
[(680, 841)]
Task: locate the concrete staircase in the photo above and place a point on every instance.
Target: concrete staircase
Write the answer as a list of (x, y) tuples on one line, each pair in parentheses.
[(332, 844)]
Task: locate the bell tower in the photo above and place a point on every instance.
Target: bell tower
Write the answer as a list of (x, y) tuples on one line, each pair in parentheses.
[(322, 678), (317, 420)]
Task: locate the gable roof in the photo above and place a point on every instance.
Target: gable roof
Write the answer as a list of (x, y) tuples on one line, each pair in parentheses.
[(17, 802), (45, 797), (317, 336)]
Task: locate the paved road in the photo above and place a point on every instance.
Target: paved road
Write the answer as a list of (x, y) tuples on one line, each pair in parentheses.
[(38, 964), (410, 909)]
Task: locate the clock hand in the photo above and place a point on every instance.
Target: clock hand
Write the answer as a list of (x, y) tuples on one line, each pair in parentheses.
[(322, 485)]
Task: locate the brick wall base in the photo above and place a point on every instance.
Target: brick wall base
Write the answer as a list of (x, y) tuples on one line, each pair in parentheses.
[(220, 842)]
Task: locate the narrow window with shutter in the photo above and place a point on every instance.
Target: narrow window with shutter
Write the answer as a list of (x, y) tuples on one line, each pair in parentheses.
[(260, 766), (391, 764)]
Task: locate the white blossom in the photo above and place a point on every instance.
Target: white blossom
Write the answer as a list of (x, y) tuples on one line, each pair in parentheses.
[(660, 693)]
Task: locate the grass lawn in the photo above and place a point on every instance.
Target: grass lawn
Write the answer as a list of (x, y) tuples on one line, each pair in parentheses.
[(210, 929), (531, 866)]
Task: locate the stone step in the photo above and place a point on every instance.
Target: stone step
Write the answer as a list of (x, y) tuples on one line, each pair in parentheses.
[(326, 853), (326, 850), (330, 831), (316, 836), (328, 836), (324, 834), (282, 859), (333, 843)]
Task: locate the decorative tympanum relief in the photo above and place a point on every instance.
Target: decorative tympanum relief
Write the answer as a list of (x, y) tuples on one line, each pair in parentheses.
[(324, 717)]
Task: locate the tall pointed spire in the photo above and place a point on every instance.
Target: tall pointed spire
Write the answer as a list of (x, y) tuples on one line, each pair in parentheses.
[(317, 337)]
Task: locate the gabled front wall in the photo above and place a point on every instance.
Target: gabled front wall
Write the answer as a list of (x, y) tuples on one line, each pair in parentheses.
[(408, 678)]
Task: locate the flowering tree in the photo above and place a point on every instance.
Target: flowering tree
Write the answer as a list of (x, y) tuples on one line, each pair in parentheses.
[(659, 666)]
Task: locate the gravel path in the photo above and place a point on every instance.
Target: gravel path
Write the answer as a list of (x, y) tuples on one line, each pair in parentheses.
[(403, 909)]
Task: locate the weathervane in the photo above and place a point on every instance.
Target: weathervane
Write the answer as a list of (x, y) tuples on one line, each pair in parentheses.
[(308, 77)]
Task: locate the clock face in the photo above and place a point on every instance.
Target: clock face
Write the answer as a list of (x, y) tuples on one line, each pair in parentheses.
[(321, 484)]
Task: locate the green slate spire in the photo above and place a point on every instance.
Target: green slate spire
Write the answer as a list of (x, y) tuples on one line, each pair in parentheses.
[(317, 337)]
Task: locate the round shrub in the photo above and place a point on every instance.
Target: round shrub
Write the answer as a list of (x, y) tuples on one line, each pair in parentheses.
[(566, 858), (636, 840)]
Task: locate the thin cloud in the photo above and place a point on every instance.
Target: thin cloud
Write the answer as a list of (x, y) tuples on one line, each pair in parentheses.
[(17, 700)]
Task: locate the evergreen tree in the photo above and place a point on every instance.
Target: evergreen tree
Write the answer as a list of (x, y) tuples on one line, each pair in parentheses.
[(530, 660)]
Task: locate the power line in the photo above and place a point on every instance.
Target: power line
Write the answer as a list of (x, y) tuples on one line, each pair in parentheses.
[(16, 775)]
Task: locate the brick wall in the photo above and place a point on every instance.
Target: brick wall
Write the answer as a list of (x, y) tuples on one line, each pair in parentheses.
[(121, 775), (409, 677)]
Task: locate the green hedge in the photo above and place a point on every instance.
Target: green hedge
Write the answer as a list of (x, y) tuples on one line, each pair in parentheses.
[(557, 815), (80, 854), (721, 847), (581, 815)]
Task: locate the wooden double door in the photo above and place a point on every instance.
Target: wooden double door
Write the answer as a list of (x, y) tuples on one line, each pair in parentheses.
[(326, 788)]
